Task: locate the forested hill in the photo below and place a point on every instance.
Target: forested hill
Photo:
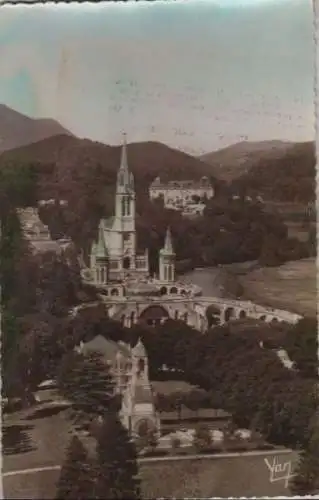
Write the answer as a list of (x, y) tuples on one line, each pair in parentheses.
[(84, 173), (290, 177), (17, 129), (146, 159), (233, 161)]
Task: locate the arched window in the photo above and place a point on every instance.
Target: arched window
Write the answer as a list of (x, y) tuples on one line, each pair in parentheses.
[(128, 206), (141, 366), (165, 273), (123, 206), (126, 263), (121, 179), (170, 273)]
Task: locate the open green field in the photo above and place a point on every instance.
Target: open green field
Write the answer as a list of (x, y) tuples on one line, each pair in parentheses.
[(38, 439), (291, 286)]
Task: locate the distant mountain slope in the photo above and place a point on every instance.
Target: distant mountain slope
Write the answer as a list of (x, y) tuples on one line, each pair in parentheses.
[(17, 129), (146, 159), (233, 161), (290, 177), (83, 172)]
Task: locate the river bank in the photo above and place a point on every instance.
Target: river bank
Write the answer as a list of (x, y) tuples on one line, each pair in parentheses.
[(291, 286)]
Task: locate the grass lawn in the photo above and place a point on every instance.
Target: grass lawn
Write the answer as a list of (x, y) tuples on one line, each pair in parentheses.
[(291, 286), (241, 476), (37, 439), (40, 438)]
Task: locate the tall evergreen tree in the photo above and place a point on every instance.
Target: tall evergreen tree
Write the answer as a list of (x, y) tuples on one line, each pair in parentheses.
[(117, 462), (302, 346), (77, 474), (86, 382)]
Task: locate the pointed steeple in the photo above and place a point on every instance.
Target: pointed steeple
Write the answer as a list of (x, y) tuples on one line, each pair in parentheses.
[(124, 164), (125, 178), (168, 246), (100, 249)]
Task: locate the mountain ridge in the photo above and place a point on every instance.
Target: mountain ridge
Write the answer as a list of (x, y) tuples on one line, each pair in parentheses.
[(18, 129), (237, 159)]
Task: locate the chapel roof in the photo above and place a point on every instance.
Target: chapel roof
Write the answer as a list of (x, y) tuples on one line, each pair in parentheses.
[(108, 348), (139, 349)]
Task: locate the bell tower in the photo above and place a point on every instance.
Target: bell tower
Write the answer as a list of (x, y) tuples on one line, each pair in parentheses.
[(167, 260), (125, 212)]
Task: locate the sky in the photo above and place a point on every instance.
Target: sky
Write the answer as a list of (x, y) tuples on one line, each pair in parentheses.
[(197, 75)]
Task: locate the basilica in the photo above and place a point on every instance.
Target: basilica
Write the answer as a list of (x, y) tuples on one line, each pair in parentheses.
[(114, 256)]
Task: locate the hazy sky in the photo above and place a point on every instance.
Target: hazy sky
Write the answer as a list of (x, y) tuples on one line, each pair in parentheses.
[(197, 75)]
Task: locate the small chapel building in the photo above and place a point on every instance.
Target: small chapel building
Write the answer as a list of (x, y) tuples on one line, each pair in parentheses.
[(129, 368)]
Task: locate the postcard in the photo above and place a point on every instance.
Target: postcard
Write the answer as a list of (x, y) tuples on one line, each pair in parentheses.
[(158, 249)]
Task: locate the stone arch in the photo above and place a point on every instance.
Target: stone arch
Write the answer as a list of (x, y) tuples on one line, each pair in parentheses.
[(154, 315), (212, 315), (114, 292), (163, 290), (176, 314), (242, 314), (126, 263), (173, 290), (274, 320), (229, 313), (263, 317), (183, 292)]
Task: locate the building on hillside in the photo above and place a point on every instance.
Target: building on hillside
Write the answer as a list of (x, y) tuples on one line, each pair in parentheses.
[(186, 196), (129, 368), (32, 227), (38, 235)]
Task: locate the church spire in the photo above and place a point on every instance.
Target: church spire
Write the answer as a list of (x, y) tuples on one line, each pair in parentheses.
[(124, 164), (125, 180), (101, 250), (168, 246)]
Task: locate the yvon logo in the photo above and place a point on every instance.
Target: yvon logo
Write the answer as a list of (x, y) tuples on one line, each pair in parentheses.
[(279, 471)]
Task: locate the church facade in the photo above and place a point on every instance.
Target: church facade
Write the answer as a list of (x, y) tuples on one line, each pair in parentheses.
[(114, 255), (129, 368)]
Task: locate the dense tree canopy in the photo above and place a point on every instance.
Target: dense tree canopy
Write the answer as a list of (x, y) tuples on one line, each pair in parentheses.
[(117, 465), (302, 346), (76, 480)]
